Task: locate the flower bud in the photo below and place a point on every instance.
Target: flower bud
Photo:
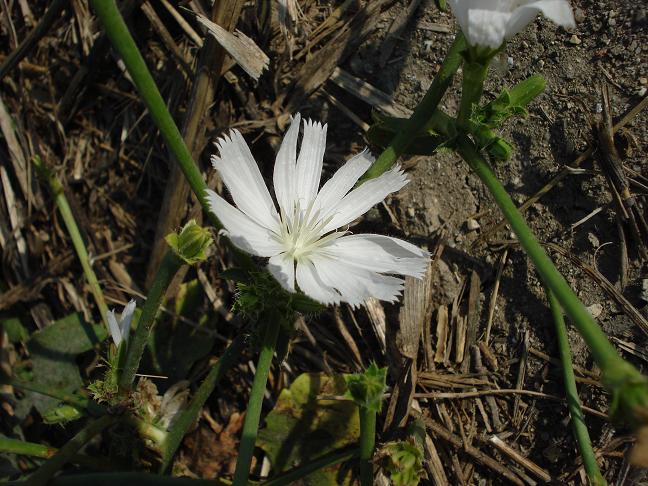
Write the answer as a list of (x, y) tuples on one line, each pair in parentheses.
[(367, 389), (192, 242)]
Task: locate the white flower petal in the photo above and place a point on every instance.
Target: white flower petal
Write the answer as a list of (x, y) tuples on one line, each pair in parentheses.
[(356, 284), (361, 199), (126, 318), (487, 27), (113, 327), (342, 182), (242, 177), (244, 233), (284, 176), (309, 162), (379, 253), (311, 284), (282, 267), (558, 11)]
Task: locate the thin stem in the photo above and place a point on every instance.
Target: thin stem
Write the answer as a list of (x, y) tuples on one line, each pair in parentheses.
[(290, 477), (58, 193), (423, 112), (44, 473), (17, 446), (367, 444), (169, 266), (122, 40), (573, 402), (190, 414), (472, 87), (253, 413), (603, 352)]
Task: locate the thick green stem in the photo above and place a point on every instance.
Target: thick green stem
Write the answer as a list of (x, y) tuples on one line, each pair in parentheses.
[(58, 193), (367, 444), (17, 446), (169, 266), (423, 112), (573, 402), (603, 352), (190, 414), (290, 477), (44, 473), (472, 87), (122, 40), (253, 413)]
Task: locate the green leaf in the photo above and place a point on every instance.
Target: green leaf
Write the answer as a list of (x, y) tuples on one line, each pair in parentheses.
[(54, 351), (16, 332), (304, 426), (367, 389)]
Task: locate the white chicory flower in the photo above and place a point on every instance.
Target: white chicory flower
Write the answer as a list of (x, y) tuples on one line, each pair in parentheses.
[(120, 330), (301, 239), (487, 23)]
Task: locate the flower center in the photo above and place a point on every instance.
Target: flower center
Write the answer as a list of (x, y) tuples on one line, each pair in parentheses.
[(301, 232)]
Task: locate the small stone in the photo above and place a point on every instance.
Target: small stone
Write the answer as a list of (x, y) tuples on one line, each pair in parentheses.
[(579, 15), (411, 212), (574, 40), (643, 80), (472, 224), (612, 22), (593, 239), (642, 91), (595, 310)]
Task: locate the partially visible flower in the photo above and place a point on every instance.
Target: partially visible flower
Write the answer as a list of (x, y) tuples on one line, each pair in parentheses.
[(487, 23), (120, 330), (301, 238)]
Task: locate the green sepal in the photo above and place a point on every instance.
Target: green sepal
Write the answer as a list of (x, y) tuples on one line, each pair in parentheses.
[(404, 462), (367, 389), (192, 242), (511, 102)]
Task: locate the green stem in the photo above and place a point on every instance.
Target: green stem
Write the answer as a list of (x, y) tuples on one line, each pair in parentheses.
[(603, 352), (290, 477), (367, 444), (44, 473), (190, 414), (58, 193), (423, 112), (17, 446), (253, 413), (169, 266), (573, 402), (472, 87), (122, 40)]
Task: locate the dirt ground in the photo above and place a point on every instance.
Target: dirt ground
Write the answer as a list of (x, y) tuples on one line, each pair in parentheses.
[(100, 141)]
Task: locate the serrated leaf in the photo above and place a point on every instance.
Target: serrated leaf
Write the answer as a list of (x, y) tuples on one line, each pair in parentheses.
[(303, 427)]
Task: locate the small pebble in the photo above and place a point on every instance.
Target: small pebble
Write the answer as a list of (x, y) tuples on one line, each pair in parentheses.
[(574, 40), (595, 310), (643, 80), (642, 91), (472, 224), (579, 15)]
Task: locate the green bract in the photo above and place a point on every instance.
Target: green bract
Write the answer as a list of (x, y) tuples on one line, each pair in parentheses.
[(367, 389), (192, 242), (404, 463)]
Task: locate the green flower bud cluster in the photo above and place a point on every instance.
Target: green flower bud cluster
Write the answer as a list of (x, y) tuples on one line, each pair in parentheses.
[(367, 389), (192, 242)]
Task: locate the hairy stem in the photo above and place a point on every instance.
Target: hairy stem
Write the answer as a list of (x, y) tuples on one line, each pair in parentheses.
[(253, 413), (423, 112), (190, 414), (169, 266), (367, 444), (573, 402), (58, 193)]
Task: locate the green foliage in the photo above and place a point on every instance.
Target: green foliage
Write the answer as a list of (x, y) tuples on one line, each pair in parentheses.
[(54, 350), (304, 426), (511, 102), (367, 389), (16, 332), (62, 414), (404, 462), (192, 242)]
